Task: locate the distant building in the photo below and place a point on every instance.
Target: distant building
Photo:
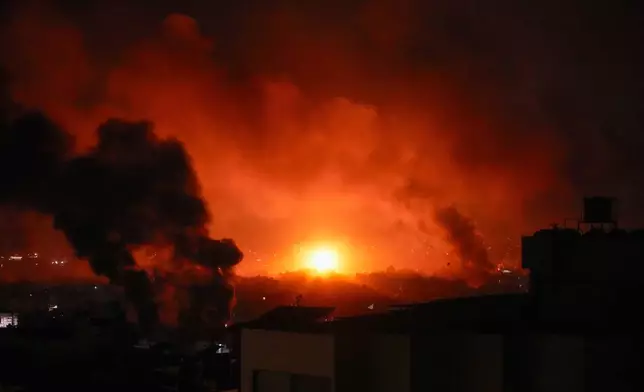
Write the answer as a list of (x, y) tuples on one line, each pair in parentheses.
[(575, 330), (8, 319)]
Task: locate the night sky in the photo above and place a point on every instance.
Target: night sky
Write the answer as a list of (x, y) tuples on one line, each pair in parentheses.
[(354, 120)]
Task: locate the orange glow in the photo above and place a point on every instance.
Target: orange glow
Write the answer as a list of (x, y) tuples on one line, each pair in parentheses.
[(323, 260), (301, 143)]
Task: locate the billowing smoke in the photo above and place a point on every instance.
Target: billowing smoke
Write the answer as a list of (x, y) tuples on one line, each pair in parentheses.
[(131, 190), (318, 111), (468, 244)]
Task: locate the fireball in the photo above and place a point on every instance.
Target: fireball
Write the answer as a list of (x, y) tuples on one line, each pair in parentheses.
[(323, 260)]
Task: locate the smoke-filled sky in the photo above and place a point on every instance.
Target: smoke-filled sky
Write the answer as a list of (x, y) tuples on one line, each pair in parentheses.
[(357, 121)]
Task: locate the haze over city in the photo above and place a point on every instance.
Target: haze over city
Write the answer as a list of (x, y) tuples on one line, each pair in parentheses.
[(337, 195), (355, 133)]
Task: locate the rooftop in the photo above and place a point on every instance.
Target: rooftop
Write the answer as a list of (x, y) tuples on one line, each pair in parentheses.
[(447, 313), (288, 317), (505, 313), (479, 312)]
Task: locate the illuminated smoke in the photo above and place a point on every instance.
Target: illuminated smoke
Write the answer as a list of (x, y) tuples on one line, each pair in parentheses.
[(131, 190), (316, 113), (467, 243)]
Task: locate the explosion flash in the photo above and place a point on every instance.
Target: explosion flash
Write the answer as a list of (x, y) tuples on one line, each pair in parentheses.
[(323, 260), (363, 129)]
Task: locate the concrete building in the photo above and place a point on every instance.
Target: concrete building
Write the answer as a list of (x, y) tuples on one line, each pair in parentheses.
[(283, 361), (387, 353), (260, 366)]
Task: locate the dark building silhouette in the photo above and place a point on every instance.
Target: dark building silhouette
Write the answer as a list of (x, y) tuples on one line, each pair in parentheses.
[(587, 274)]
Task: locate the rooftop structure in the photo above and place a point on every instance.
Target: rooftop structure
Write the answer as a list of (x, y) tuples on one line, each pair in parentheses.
[(587, 272)]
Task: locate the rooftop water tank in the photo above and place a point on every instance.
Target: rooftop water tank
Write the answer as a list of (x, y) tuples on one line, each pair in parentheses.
[(599, 210)]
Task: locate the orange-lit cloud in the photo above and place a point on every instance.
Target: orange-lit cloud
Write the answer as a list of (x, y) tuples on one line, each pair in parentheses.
[(311, 131)]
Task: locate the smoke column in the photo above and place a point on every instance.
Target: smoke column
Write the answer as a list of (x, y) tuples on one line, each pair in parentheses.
[(467, 243), (129, 191), (317, 112)]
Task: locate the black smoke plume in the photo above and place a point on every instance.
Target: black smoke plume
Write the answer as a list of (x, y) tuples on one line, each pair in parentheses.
[(468, 244), (131, 190)]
